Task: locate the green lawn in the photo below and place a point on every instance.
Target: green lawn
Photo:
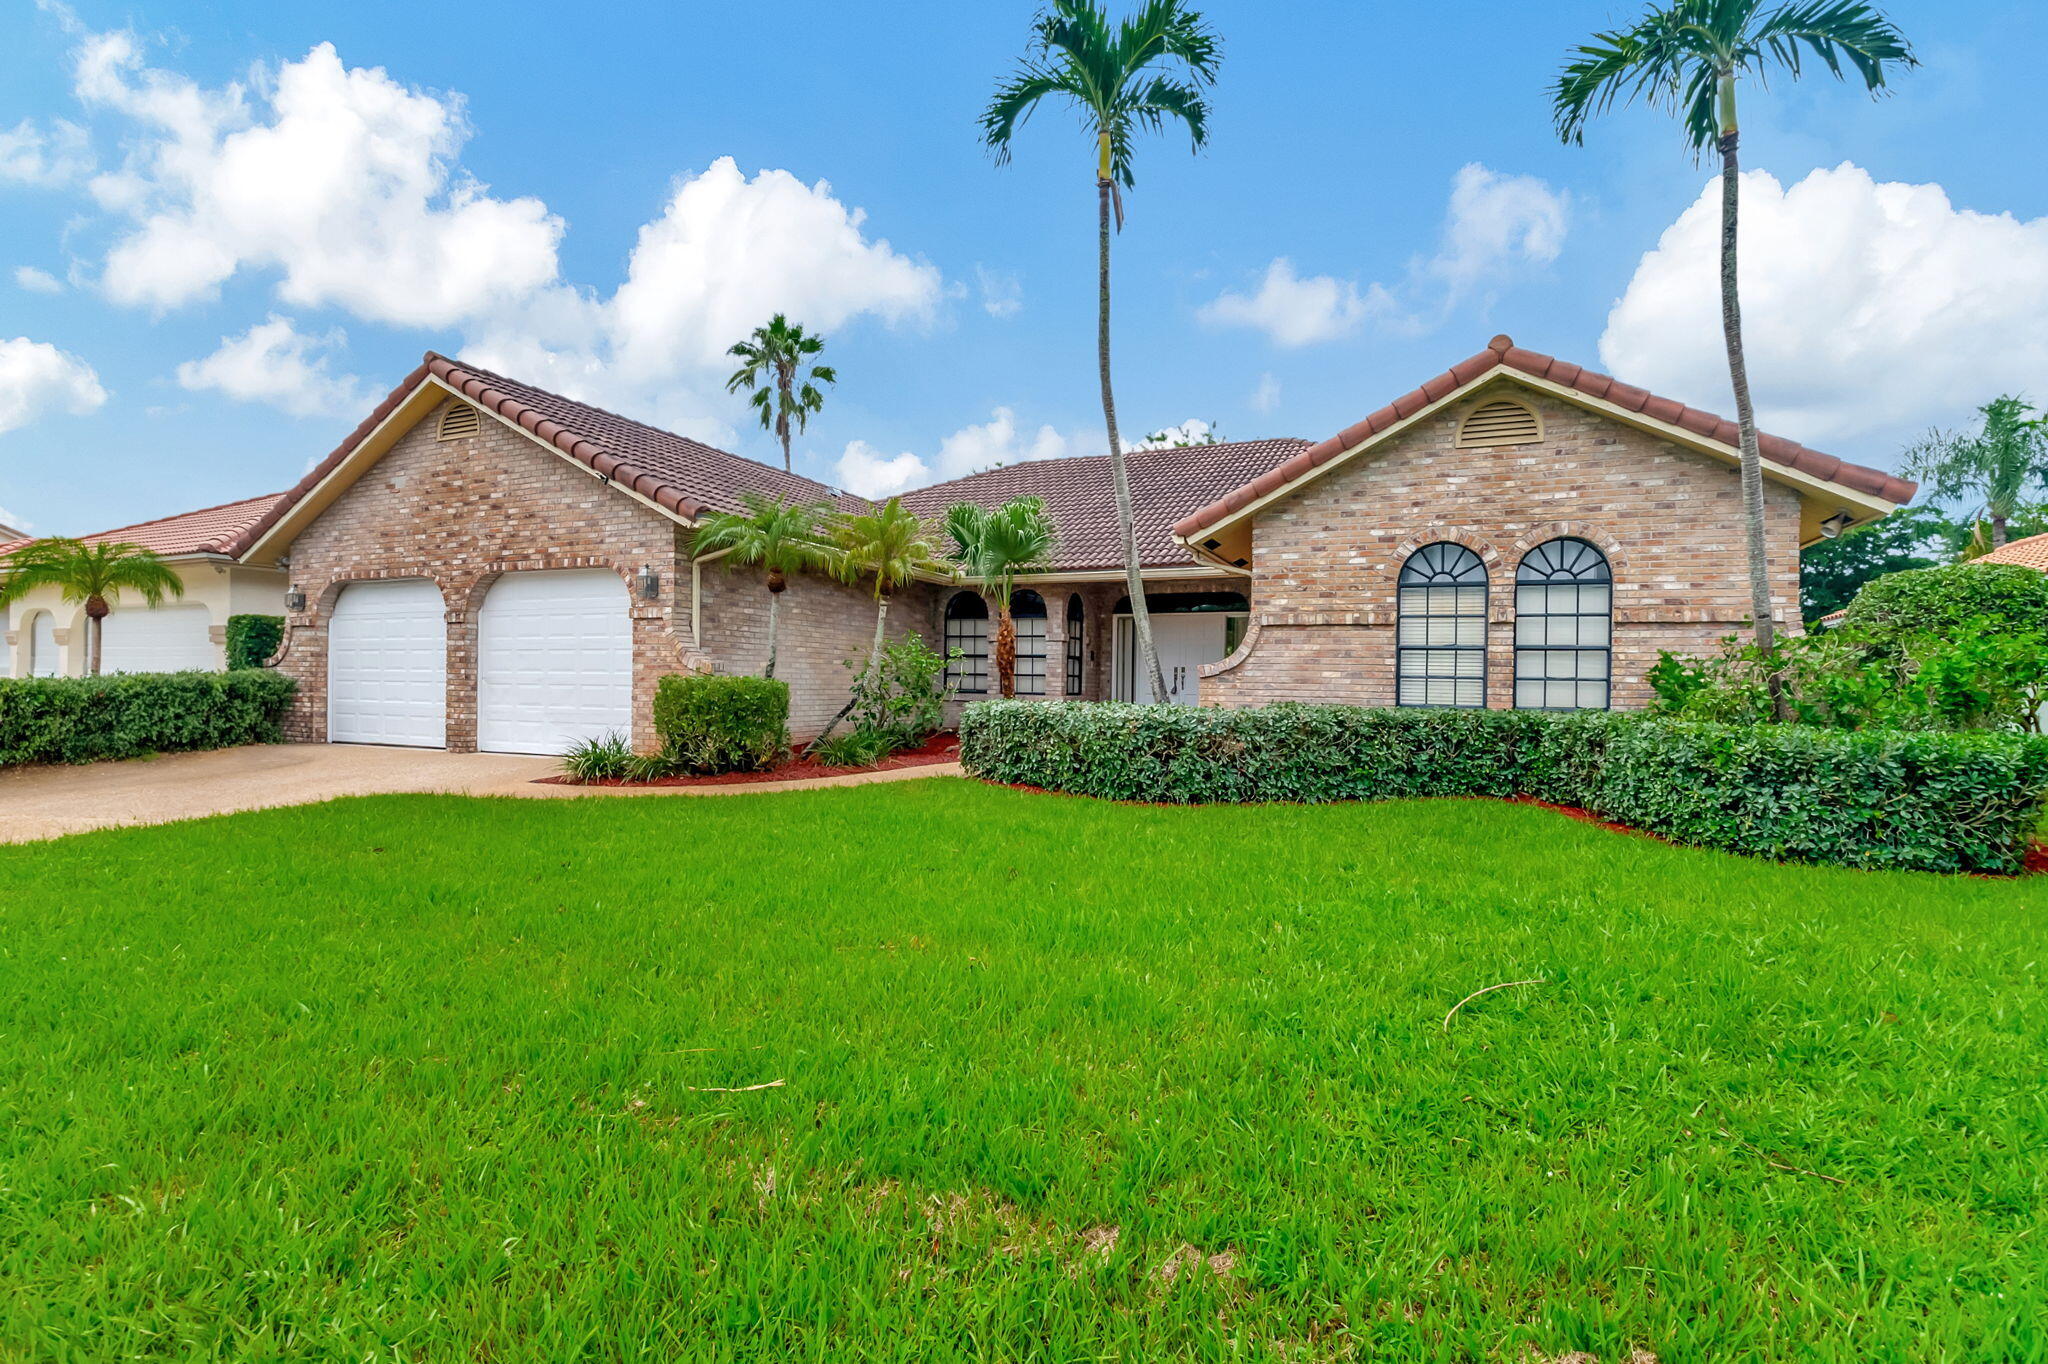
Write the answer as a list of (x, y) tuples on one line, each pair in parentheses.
[(425, 1078)]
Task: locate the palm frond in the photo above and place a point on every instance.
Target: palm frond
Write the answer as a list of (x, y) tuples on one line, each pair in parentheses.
[(1834, 32)]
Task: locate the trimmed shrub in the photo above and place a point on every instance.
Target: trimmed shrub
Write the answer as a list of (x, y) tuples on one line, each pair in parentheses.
[(251, 640), (722, 724), (1867, 798), (90, 719), (1939, 601)]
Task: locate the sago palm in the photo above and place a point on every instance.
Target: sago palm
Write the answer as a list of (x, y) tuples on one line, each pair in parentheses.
[(2008, 453), (89, 574), (1125, 77), (1687, 58), (776, 368), (782, 537), (994, 545), (886, 549)]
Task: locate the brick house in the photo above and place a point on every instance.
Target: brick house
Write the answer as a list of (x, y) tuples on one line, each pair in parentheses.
[(483, 563)]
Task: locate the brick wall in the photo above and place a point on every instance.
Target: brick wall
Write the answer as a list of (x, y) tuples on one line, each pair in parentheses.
[(1670, 521)]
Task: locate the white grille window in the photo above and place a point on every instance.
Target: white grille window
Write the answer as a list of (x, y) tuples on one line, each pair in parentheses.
[(1440, 643)]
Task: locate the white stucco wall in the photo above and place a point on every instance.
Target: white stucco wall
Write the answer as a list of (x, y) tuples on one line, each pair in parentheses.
[(224, 589)]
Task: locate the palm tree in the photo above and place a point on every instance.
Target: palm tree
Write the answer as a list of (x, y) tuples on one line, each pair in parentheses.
[(775, 372), (1137, 75), (995, 545), (89, 574), (1686, 57), (2009, 451), (890, 549), (782, 537)]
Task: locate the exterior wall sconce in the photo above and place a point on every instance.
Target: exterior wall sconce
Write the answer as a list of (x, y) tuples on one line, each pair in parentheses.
[(648, 582), (1835, 525), (294, 598)]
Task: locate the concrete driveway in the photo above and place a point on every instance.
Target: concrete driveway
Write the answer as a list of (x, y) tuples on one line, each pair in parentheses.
[(44, 802)]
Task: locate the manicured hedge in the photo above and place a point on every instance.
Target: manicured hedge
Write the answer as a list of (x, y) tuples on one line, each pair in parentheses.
[(252, 639), (722, 724), (88, 719), (1864, 798)]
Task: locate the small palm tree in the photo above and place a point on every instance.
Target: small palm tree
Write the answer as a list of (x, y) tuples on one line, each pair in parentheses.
[(776, 371), (995, 545), (89, 574), (1686, 57), (782, 537), (888, 548), (1122, 78), (2009, 452)]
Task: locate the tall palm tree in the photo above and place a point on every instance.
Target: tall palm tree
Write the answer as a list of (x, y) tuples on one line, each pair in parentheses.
[(782, 537), (1136, 75), (2009, 451), (776, 370), (89, 574), (1686, 57), (887, 548), (995, 545)]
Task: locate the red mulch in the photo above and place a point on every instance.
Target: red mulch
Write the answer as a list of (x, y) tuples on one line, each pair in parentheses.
[(940, 748)]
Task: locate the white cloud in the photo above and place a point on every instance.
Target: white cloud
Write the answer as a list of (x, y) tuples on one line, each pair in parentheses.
[(1869, 309), (1495, 223), (276, 364), (1193, 431), (1266, 396), (866, 471), (1296, 311), (37, 281), (1002, 293), (999, 440), (9, 519), (32, 156), (36, 378)]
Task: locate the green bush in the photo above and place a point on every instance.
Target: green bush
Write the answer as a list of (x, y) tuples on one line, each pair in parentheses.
[(900, 699), (860, 747), (251, 640), (605, 758), (722, 724), (89, 719), (1871, 798), (1940, 601)]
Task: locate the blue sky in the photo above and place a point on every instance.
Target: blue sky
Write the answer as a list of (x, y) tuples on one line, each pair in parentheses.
[(226, 230)]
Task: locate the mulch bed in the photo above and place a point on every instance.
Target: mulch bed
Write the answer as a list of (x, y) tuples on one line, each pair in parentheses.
[(940, 748)]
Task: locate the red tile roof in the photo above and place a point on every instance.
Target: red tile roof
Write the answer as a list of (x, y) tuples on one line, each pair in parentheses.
[(2031, 552), (210, 530), (1081, 496), (1503, 353)]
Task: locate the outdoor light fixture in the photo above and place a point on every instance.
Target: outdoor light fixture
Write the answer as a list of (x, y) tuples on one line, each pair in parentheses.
[(649, 583), (294, 599), (1835, 525)]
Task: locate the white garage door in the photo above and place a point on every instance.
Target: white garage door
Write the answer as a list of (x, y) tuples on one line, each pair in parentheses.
[(164, 639), (387, 665), (44, 658), (554, 661)]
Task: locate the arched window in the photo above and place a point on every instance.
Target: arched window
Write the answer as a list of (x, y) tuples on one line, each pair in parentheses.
[(1027, 613), (967, 631), (1440, 652), (1564, 612), (1076, 629)]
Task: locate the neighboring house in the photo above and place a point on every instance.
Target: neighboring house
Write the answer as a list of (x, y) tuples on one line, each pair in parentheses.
[(2031, 552), (45, 635), (486, 564)]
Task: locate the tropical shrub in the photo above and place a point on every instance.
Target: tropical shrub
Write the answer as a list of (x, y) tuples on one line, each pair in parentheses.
[(252, 640), (857, 747), (722, 724), (898, 696), (90, 719), (1873, 798), (604, 758)]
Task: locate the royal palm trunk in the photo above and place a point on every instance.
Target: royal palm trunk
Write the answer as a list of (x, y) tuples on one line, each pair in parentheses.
[(1141, 620), (1738, 373)]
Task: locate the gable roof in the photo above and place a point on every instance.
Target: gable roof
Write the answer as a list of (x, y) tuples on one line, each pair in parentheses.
[(1502, 354), (210, 530), (2031, 552), (1080, 493)]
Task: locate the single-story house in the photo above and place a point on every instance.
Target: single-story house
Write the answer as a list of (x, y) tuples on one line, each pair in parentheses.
[(485, 564), (45, 635), (2032, 552)]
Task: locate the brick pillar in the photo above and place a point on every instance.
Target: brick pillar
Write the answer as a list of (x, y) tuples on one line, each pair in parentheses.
[(461, 681)]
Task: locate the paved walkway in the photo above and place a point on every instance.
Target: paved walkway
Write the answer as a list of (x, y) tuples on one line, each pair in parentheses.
[(44, 802)]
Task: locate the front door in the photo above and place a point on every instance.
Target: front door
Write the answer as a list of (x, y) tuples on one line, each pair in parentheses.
[(1185, 642)]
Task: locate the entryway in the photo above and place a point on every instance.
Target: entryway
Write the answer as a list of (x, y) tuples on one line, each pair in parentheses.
[(1188, 629)]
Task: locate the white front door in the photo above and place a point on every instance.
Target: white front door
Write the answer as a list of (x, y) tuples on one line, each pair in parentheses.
[(163, 639), (387, 665), (1185, 642), (554, 661)]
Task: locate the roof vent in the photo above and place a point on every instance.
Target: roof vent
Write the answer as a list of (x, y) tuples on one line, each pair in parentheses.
[(1501, 422), (459, 420)]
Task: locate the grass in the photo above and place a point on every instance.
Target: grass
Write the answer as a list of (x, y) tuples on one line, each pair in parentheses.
[(429, 1078)]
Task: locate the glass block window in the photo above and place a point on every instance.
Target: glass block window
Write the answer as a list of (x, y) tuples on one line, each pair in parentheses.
[(1027, 614), (967, 631), (1076, 637), (1564, 627), (1440, 646)]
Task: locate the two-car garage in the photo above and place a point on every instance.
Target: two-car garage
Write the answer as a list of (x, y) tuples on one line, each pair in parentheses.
[(554, 662)]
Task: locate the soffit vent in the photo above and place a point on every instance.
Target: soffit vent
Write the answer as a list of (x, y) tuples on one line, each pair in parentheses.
[(1502, 422), (459, 420)]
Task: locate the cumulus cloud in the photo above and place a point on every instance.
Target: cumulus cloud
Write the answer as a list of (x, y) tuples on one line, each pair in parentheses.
[(1495, 225), (37, 281), (1002, 293), (58, 155), (999, 440), (36, 378), (868, 472), (275, 363), (1869, 308)]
